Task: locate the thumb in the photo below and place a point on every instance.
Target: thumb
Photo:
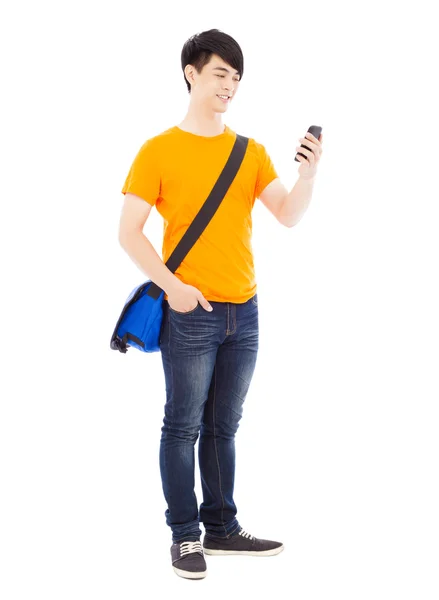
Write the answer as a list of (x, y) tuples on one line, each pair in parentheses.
[(204, 303)]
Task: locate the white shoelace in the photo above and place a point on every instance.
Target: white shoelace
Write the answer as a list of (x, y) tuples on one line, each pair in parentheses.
[(188, 547), (246, 535)]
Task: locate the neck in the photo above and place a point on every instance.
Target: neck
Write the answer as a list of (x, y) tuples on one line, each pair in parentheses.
[(202, 121)]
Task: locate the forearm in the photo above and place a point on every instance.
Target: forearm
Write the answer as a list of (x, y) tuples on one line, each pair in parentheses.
[(143, 254), (296, 202)]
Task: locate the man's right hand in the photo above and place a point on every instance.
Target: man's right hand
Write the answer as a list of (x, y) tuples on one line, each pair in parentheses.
[(185, 298)]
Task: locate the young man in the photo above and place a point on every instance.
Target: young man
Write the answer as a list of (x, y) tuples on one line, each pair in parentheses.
[(209, 336)]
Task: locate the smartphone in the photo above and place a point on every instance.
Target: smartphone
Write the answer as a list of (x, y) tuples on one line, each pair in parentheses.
[(316, 130)]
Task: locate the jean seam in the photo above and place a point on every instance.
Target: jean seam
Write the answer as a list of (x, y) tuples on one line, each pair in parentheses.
[(228, 330), (216, 450), (236, 529), (172, 372)]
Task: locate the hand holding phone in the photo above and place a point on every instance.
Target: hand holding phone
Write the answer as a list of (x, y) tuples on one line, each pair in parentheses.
[(316, 130)]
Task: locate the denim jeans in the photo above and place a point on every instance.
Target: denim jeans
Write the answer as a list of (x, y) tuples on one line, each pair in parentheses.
[(208, 360)]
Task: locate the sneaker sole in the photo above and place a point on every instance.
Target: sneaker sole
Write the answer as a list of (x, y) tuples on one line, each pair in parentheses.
[(190, 574), (243, 552)]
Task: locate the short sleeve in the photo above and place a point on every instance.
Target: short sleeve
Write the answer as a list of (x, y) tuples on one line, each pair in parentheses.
[(143, 178), (266, 171)]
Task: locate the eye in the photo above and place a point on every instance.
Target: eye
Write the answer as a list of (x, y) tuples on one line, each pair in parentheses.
[(237, 80)]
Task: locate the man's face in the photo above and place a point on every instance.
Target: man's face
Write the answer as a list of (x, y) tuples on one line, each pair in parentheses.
[(216, 79)]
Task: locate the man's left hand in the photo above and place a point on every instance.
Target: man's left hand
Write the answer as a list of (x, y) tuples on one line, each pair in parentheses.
[(308, 167)]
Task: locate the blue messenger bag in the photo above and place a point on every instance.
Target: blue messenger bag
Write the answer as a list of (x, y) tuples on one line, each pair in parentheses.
[(140, 321)]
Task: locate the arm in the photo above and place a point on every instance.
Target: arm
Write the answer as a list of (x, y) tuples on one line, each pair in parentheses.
[(288, 207), (135, 212), (294, 205)]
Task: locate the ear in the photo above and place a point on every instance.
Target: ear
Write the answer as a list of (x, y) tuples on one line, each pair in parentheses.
[(189, 73)]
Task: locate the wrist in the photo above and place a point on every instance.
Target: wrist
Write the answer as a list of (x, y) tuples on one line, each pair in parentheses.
[(174, 286)]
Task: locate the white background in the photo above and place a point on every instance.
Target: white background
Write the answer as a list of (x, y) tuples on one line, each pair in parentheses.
[(337, 453)]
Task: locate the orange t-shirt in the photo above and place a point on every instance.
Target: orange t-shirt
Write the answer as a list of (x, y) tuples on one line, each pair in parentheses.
[(176, 171)]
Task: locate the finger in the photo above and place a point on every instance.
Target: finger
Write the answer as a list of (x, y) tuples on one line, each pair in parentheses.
[(317, 150), (308, 142), (304, 150), (309, 146), (307, 153), (205, 304), (313, 139)]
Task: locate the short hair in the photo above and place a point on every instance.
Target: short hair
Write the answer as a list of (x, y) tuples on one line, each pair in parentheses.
[(198, 50)]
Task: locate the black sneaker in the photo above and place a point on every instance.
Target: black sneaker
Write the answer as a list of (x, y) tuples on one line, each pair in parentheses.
[(241, 543), (188, 560)]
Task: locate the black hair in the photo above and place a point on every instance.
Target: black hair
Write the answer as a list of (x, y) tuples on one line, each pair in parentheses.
[(198, 49)]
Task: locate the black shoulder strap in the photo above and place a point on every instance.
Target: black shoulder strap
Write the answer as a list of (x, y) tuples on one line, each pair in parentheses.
[(207, 211)]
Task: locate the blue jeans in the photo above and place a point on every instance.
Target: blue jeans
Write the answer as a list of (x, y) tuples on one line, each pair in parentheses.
[(208, 360)]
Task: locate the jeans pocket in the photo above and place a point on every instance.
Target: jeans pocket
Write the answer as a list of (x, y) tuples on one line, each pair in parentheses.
[(189, 312), (255, 300)]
